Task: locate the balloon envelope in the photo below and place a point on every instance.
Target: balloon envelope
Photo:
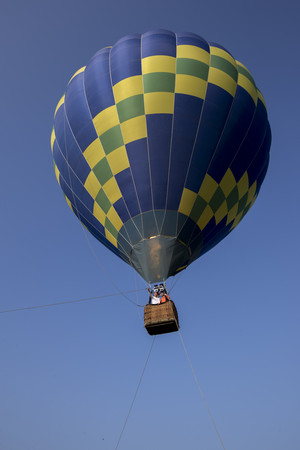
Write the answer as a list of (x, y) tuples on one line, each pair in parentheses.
[(160, 145)]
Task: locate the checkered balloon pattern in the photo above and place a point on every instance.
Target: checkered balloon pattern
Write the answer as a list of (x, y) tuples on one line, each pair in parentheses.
[(162, 134)]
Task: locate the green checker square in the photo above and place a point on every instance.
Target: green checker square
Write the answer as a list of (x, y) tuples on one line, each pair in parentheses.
[(187, 66), (247, 74), (232, 198), (159, 82), (198, 208), (103, 201), (222, 64), (131, 107), (112, 139), (217, 199), (242, 203), (103, 171), (109, 226)]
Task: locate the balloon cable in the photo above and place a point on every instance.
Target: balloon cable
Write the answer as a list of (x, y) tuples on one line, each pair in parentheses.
[(137, 298), (135, 394), (200, 390), (23, 308)]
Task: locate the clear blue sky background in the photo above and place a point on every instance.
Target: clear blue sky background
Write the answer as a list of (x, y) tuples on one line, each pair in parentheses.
[(68, 373)]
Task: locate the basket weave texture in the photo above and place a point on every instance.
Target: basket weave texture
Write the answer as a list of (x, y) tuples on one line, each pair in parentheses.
[(162, 318)]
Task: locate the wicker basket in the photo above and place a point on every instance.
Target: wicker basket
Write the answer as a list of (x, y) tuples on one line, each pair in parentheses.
[(162, 318)]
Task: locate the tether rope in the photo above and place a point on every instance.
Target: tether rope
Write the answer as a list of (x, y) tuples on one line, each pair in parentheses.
[(100, 265), (200, 390), (135, 394), (137, 297), (82, 226), (23, 308)]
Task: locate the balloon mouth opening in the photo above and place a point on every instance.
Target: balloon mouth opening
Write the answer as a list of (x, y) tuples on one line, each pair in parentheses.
[(159, 257)]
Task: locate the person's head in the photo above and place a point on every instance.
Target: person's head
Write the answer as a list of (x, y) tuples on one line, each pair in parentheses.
[(155, 294)]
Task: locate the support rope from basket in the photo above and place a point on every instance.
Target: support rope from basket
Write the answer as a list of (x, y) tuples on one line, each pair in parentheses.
[(200, 390)]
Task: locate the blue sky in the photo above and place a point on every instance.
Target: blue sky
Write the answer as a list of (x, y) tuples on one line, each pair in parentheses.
[(69, 373)]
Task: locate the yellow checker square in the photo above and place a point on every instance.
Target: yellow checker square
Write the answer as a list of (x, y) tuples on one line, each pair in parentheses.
[(246, 84), (113, 216), (56, 173), (205, 217), (92, 185), (77, 73), (118, 160), (127, 88), (190, 85), (221, 212), (228, 182), (222, 79), (260, 96), (237, 220), (243, 185), (251, 192), (106, 119), (112, 190), (61, 102), (69, 203), (232, 214), (159, 63), (52, 139), (99, 213), (94, 153), (134, 129), (208, 188), (216, 51), (110, 238), (187, 201), (252, 202), (193, 52), (159, 103)]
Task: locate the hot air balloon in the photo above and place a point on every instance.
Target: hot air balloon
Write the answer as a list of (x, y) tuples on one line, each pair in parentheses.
[(160, 145)]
